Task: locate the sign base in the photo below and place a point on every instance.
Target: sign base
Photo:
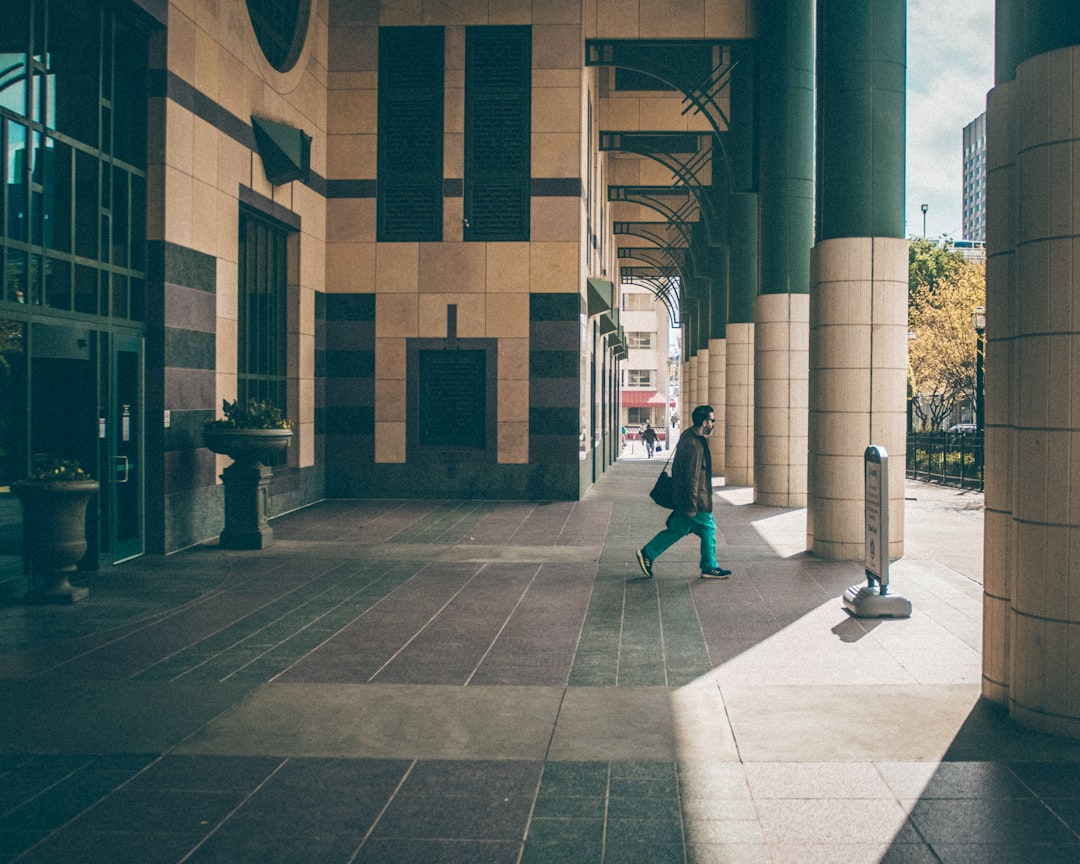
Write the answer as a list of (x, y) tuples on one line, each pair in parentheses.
[(866, 601)]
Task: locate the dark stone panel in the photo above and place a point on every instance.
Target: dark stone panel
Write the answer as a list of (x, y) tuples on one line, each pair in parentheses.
[(555, 336), (348, 393), (554, 364), (554, 421), (197, 515), (556, 187), (555, 307), (349, 364), (350, 335), (193, 516), (179, 265), (350, 307), (294, 488), (453, 187), (186, 428), (358, 420), (351, 188), (189, 349), (190, 309), (350, 476), (189, 389), (554, 393), (556, 451), (189, 469), (320, 306)]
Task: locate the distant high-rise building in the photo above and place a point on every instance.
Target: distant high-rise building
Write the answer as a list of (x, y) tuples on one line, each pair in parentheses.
[(975, 179)]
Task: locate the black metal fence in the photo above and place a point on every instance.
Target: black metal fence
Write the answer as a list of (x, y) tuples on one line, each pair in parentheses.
[(953, 459)]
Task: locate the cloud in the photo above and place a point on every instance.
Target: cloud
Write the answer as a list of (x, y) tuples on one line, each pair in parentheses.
[(950, 70)]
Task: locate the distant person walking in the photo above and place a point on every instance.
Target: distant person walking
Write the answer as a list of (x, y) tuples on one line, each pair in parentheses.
[(691, 474), (649, 436)]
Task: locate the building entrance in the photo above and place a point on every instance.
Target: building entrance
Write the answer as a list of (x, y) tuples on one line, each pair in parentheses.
[(74, 394)]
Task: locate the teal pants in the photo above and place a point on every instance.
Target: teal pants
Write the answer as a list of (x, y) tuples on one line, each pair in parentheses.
[(678, 526)]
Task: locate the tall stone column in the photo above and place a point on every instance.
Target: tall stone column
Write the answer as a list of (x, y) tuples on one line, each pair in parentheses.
[(787, 206), (999, 440), (1032, 545), (702, 397), (717, 397), (743, 219), (858, 293)]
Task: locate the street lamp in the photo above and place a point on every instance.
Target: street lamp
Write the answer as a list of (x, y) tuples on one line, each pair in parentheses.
[(978, 321), (924, 208)]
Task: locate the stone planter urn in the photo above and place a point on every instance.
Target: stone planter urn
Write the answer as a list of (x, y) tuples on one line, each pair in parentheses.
[(54, 535), (247, 481)]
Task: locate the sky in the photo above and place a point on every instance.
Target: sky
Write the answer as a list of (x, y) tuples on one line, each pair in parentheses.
[(950, 70)]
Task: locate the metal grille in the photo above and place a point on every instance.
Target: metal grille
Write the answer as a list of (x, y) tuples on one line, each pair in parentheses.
[(410, 157), (453, 388), (498, 128)]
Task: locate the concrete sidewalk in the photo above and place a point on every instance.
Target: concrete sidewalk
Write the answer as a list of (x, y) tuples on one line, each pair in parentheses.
[(449, 681)]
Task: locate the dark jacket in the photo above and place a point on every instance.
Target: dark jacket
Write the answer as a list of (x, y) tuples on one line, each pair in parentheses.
[(692, 474)]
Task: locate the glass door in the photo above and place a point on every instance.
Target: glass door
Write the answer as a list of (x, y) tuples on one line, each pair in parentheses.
[(123, 433)]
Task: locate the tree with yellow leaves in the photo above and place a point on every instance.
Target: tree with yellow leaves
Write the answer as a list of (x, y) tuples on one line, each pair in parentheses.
[(943, 346)]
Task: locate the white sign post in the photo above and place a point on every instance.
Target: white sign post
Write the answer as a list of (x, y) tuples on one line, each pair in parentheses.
[(874, 600)]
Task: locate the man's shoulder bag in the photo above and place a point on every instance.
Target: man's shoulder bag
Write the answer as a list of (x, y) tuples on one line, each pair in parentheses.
[(663, 491)]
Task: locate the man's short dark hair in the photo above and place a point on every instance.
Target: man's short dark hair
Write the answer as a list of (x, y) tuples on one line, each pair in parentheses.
[(701, 414)]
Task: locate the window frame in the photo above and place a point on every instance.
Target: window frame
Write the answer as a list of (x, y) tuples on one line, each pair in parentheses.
[(270, 380)]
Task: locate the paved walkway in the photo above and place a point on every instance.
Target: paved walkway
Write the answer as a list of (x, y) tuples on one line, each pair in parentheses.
[(494, 683)]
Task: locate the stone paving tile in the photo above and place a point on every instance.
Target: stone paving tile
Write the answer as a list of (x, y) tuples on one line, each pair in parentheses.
[(568, 710)]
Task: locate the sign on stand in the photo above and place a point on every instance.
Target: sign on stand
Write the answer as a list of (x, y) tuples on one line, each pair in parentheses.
[(873, 600)]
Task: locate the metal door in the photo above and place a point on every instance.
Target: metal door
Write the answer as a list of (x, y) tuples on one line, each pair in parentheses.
[(123, 433)]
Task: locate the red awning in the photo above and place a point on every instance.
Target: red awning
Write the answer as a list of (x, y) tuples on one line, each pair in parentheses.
[(643, 399)]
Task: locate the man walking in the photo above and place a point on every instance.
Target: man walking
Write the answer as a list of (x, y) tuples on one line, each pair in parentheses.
[(691, 476), (648, 434)]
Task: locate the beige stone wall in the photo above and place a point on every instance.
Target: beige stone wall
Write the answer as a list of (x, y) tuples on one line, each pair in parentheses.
[(671, 19), (212, 48)]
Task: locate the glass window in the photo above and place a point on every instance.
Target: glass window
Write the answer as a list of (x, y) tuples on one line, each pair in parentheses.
[(57, 283), (70, 79), (639, 340), (280, 26), (14, 38), (638, 302), (262, 327), (75, 73), (16, 181), (639, 378)]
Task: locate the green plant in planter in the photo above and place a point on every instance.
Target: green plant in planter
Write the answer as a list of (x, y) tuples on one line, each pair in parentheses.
[(250, 415), (55, 470)]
